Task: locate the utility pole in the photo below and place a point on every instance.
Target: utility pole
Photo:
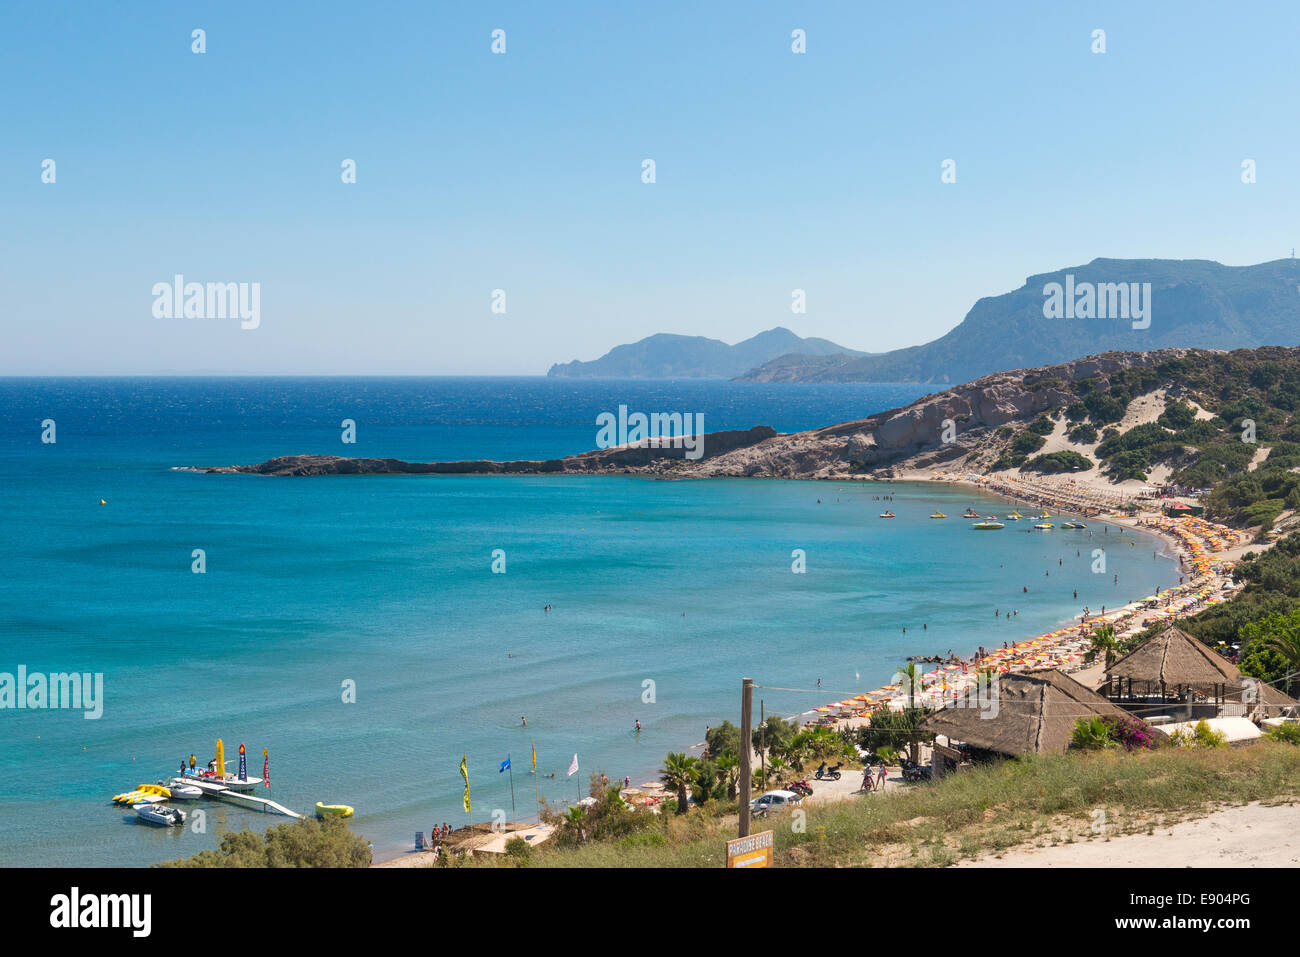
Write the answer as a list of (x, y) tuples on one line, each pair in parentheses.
[(762, 743), (746, 746)]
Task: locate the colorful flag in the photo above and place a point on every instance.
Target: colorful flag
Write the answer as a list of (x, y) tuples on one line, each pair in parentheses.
[(505, 765), (266, 768), (464, 772), (534, 756), (243, 764), (573, 765)]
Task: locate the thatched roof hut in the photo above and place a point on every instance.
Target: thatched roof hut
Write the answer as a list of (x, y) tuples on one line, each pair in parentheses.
[(1174, 659), (1035, 713), (1262, 700)]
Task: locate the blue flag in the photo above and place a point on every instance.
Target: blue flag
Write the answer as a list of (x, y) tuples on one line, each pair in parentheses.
[(505, 765)]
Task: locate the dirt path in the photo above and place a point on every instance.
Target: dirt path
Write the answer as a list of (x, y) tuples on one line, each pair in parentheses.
[(1253, 835)]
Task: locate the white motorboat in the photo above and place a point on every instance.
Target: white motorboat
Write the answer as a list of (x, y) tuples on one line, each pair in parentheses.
[(178, 790), (231, 782), (159, 814)]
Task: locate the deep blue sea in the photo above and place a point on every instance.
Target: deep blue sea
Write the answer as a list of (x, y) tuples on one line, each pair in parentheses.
[(386, 582)]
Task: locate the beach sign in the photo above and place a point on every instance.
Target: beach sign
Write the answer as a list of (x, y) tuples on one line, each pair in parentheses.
[(752, 851)]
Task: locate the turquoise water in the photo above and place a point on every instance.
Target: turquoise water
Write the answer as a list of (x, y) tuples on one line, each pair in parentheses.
[(387, 582)]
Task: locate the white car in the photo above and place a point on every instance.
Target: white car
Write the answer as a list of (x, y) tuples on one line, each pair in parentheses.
[(775, 801)]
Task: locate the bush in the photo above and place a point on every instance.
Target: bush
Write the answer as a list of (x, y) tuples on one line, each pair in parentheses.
[(519, 850), (1041, 426), (1082, 434), (304, 843), (1288, 733), (1201, 736), (1054, 462)]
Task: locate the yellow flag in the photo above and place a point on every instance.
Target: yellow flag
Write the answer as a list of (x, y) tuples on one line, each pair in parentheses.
[(534, 755), (464, 773)]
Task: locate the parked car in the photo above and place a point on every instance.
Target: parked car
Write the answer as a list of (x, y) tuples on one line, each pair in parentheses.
[(775, 801)]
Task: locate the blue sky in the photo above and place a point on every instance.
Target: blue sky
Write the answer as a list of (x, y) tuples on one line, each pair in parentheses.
[(522, 171)]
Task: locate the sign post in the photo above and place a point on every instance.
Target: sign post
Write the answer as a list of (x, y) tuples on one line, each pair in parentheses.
[(752, 851)]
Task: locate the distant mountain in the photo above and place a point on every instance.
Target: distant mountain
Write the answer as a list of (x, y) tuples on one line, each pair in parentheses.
[(1193, 303), (668, 356)]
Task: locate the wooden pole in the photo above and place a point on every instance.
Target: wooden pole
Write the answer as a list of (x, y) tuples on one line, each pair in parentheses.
[(746, 745), (762, 743)]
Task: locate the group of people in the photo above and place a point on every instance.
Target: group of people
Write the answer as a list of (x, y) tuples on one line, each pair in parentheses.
[(879, 771), (440, 833)]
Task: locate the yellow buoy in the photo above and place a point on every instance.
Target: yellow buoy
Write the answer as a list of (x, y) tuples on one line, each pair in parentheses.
[(102, 502)]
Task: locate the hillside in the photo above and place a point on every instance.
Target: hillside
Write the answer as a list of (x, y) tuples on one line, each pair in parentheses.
[(1193, 303), (668, 356), (1176, 415)]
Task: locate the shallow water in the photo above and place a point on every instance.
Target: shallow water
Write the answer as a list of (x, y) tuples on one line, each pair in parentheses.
[(387, 582)]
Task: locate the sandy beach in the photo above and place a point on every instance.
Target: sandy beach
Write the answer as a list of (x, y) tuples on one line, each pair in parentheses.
[(1253, 835)]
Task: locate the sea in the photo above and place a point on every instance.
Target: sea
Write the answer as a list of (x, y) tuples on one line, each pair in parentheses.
[(369, 632)]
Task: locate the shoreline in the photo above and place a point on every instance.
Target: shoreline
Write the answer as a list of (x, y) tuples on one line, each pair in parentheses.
[(1066, 644)]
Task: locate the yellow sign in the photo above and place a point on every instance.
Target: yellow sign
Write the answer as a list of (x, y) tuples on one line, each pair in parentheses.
[(752, 851)]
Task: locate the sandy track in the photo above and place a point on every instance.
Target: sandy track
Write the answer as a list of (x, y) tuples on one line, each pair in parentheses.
[(1253, 835)]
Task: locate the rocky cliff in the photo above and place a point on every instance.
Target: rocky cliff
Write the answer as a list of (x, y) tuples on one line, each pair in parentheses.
[(959, 427)]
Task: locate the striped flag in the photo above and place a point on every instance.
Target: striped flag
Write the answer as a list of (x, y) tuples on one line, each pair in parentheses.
[(464, 773), (573, 765)]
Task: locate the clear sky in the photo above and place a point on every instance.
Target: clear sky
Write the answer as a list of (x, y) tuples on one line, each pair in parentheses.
[(523, 171)]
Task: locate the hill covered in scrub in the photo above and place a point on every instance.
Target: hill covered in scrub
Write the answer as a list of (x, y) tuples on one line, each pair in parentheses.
[(1226, 420), (1192, 302)]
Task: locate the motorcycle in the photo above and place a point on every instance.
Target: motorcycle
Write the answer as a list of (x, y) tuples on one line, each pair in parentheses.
[(800, 787), (829, 774), (915, 772)]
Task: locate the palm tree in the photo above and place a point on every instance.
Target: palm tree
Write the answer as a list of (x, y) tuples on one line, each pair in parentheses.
[(576, 818), (1104, 643), (777, 768), (910, 677), (678, 774), (729, 768), (1287, 644)]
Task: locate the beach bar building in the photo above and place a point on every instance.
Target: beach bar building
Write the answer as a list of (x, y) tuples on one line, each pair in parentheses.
[(1174, 677), (1031, 712)]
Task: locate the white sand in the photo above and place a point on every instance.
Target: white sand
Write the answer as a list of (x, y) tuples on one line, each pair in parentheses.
[(1253, 835)]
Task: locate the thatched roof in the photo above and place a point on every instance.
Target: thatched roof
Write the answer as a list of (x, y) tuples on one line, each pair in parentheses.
[(1264, 700), (1172, 658), (1036, 713)]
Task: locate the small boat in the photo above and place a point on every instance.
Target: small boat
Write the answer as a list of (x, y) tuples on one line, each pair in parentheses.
[(990, 522), (887, 514), (1043, 526), (1073, 525), (938, 515), (162, 816), (1014, 517), (970, 513), (180, 791), (230, 781), (144, 794), (332, 810)]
